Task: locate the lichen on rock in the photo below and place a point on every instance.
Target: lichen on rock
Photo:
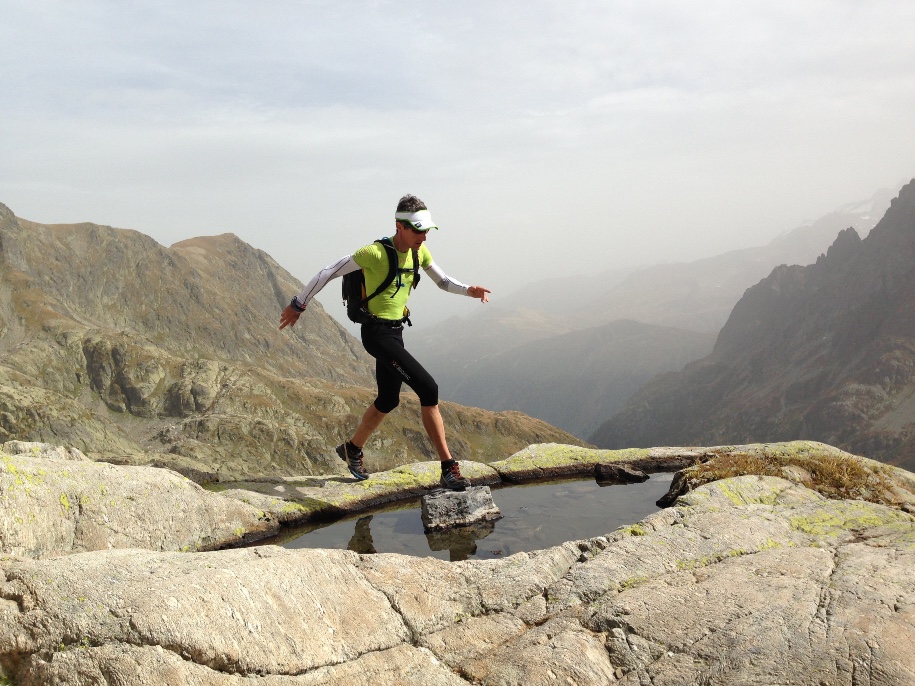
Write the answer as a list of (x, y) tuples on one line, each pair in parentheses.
[(54, 501)]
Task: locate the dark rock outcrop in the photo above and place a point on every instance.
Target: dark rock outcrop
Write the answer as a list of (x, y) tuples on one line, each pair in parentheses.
[(619, 474), (823, 352)]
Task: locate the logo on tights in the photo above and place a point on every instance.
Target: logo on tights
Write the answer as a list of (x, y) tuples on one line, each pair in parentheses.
[(400, 369)]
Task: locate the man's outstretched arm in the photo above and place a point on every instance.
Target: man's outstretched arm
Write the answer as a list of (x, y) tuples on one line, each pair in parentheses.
[(446, 283), (290, 315)]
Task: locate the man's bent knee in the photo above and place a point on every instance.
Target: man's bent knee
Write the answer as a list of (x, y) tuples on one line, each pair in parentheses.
[(428, 396), (386, 405)]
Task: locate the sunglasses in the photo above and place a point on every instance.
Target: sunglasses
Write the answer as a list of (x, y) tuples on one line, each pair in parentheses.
[(414, 229)]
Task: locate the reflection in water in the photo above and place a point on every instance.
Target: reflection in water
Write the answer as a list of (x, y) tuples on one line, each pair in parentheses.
[(534, 517), (362, 542), (460, 542)]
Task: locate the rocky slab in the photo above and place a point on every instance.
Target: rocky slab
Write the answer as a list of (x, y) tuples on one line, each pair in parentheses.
[(299, 499), (55, 501), (619, 474), (827, 470), (746, 580)]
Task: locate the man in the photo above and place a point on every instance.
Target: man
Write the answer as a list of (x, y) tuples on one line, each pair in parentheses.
[(382, 336)]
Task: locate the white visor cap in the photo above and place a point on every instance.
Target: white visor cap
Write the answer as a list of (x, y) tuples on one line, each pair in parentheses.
[(421, 221)]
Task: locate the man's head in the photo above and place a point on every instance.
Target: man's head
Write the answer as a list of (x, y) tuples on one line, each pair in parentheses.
[(410, 203), (413, 221)]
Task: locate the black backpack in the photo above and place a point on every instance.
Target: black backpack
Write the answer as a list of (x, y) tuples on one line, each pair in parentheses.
[(354, 296)]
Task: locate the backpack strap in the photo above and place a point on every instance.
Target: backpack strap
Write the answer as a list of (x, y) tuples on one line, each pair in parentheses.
[(415, 268), (392, 267)]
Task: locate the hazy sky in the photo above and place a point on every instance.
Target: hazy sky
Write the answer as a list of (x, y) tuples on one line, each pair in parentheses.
[(546, 137)]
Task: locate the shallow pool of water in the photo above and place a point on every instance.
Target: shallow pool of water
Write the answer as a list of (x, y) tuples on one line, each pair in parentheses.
[(534, 516)]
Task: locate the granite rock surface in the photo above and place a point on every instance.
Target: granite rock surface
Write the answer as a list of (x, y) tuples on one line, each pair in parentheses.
[(745, 580), (55, 501)]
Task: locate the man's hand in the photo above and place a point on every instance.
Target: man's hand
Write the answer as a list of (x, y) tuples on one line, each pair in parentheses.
[(479, 292), (289, 317)]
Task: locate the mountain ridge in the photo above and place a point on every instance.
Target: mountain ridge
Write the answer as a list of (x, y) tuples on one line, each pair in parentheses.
[(687, 297), (822, 352), (573, 380), (141, 354)]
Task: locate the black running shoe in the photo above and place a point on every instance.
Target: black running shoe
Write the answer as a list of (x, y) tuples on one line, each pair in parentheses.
[(353, 459), (451, 477)]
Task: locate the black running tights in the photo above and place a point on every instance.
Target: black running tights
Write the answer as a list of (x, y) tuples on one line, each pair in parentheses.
[(394, 366)]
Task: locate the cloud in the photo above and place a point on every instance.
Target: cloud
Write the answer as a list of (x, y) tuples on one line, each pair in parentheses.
[(548, 136)]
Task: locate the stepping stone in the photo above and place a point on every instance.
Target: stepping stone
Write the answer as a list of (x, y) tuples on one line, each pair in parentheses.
[(443, 509)]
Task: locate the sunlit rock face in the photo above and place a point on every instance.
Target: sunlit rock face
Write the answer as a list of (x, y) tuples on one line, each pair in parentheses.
[(443, 509), (140, 354), (56, 501), (749, 579)]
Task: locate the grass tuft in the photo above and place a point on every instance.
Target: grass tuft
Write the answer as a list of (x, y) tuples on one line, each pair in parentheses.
[(833, 476)]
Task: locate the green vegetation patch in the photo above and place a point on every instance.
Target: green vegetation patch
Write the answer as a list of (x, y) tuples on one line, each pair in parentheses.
[(902, 534), (833, 474), (19, 476), (396, 480), (552, 456), (292, 506), (844, 516), (741, 497), (632, 582)]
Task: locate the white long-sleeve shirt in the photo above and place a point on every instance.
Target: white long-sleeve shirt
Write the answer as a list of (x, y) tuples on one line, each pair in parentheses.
[(347, 264)]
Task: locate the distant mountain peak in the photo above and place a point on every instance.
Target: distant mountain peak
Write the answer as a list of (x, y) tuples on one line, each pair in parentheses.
[(822, 352), (904, 201), (846, 246), (220, 240)]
